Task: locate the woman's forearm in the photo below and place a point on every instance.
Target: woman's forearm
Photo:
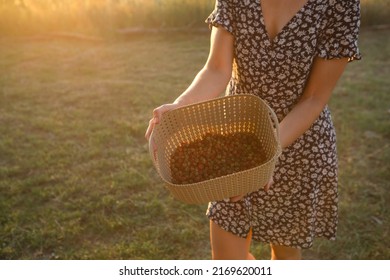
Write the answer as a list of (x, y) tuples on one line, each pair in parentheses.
[(299, 120), (318, 90), (208, 84), (212, 80)]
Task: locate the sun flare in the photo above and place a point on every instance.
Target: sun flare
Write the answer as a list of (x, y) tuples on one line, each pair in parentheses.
[(18, 17)]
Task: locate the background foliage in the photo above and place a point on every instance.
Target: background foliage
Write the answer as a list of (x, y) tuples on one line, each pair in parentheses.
[(109, 16)]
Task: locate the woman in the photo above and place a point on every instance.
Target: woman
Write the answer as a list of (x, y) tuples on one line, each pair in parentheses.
[(291, 54)]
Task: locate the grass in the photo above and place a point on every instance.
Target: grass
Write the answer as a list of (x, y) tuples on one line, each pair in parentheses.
[(99, 16), (76, 180), (362, 116), (106, 17), (375, 12)]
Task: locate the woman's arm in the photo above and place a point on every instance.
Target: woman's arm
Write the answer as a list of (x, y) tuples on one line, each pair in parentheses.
[(210, 82), (322, 80)]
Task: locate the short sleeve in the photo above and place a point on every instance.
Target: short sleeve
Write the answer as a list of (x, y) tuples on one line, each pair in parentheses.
[(339, 38), (222, 15)]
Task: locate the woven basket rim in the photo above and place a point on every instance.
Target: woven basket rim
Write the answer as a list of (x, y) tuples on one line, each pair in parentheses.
[(213, 100), (220, 179)]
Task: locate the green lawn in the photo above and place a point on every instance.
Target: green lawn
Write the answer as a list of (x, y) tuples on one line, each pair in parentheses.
[(76, 180)]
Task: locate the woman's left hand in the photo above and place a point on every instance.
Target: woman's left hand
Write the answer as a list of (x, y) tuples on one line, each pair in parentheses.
[(266, 188)]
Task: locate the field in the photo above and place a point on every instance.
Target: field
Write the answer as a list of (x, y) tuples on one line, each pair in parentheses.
[(109, 17), (76, 180)]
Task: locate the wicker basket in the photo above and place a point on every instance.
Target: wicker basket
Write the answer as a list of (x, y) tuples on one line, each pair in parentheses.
[(229, 114)]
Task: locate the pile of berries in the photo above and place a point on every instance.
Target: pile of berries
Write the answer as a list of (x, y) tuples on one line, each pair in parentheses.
[(214, 156)]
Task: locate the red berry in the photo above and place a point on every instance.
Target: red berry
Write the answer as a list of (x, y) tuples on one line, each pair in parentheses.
[(215, 155)]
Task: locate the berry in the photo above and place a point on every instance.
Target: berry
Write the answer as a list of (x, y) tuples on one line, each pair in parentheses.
[(214, 156)]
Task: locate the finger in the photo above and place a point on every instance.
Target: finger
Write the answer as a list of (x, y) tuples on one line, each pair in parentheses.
[(153, 121), (150, 129), (157, 114), (159, 111), (269, 185), (236, 198)]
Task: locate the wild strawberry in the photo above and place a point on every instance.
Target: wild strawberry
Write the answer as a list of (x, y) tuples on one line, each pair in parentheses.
[(214, 156)]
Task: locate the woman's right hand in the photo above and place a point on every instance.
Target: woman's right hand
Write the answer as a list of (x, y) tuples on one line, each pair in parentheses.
[(157, 113)]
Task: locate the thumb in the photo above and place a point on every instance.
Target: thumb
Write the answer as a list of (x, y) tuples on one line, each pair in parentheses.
[(269, 184), (159, 111), (236, 198), (156, 115)]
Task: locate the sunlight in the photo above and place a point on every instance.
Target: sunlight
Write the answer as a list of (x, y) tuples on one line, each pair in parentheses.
[(18, 17)]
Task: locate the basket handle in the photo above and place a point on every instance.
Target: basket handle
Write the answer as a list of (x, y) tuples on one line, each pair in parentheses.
[(275, 121)]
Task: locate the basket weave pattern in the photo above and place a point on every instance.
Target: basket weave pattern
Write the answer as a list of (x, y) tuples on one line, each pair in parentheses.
[(225, 115)]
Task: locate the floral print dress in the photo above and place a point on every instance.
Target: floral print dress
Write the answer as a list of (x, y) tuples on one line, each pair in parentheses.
[(302, 203)]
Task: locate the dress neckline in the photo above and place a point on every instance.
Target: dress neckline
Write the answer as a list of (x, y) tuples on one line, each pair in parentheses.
[(286, 26)]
